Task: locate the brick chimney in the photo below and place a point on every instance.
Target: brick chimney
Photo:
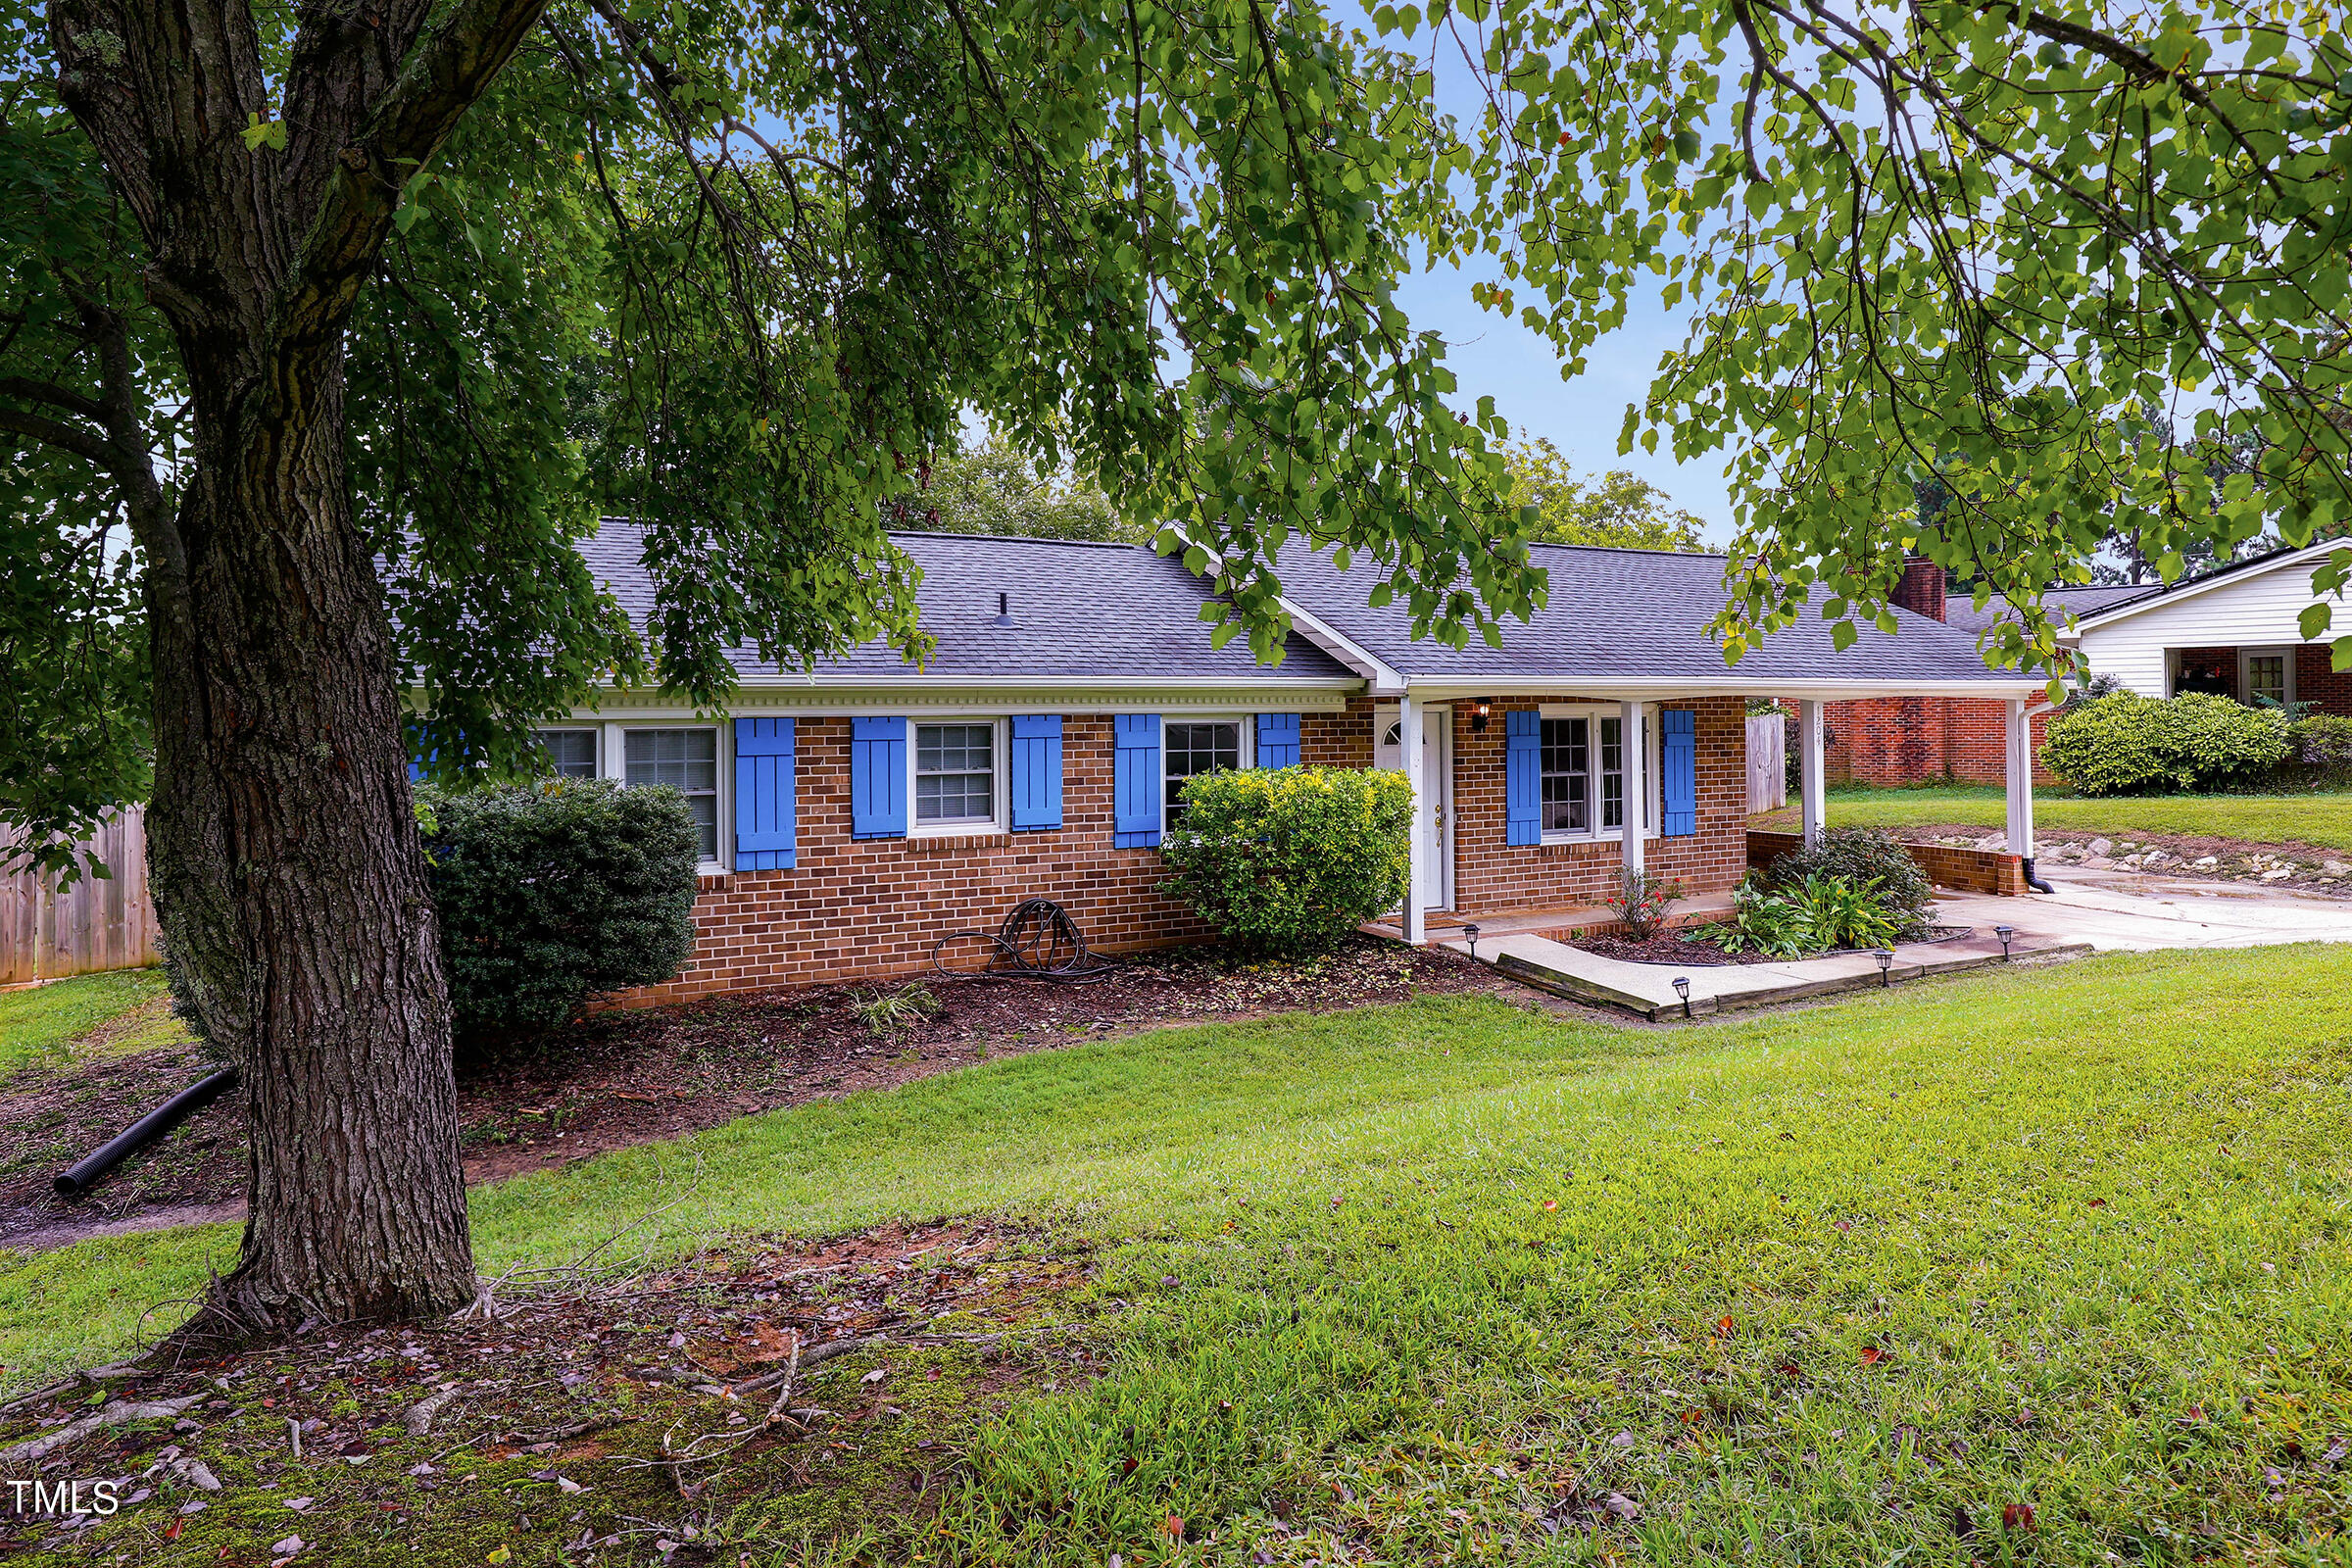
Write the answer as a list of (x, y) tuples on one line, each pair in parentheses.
[(1920, 590)]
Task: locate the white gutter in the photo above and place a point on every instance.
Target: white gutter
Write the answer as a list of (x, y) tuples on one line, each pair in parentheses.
[(1448, 688)]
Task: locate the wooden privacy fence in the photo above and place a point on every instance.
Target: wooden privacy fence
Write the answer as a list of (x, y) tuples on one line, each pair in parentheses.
[(1767, 762), (96, 923)]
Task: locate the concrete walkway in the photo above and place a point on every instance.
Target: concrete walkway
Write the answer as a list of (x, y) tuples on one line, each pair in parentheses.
[(2090, 911)]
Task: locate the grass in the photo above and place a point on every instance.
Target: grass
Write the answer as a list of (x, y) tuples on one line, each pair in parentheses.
[(43, 1024), (1453, 1281), (2325, 820)]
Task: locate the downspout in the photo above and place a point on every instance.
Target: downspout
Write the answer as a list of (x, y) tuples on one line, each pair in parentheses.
[(2024, 863)]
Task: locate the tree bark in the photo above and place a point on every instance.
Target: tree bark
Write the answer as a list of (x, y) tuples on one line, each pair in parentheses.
[(290, 877), (282, 843)]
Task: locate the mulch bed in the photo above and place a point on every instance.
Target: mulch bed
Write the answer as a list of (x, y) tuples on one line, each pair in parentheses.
[(616, 1079), (634, 1416)]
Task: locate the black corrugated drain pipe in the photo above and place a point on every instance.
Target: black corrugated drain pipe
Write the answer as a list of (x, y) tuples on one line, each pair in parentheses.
[(2032, 881), (76, 1179)]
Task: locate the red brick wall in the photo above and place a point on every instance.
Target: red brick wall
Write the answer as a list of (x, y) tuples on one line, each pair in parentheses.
[(1492, 875), (1920, 740), (2319, 683), (870, 909), (1947, 867), (859, 909)]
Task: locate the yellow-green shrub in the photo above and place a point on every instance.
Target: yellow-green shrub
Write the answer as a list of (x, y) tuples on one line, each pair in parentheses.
[(1289, 859), (2133, 745)]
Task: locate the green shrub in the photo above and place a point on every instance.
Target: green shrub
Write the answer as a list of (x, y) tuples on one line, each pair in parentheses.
[(1863, 856), (1819, 913), (2323, 740), (553, 892), (1289, 859), (2127, 744)]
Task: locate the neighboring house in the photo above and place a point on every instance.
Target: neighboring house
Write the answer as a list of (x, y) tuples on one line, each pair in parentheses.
[(2233, 630), (853, 815), (1926, 739)]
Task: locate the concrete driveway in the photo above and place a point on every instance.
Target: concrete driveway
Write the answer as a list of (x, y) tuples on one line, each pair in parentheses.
[(2132, 911)]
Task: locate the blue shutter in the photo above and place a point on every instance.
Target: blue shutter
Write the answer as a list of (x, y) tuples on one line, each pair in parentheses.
[(1677, 770), (767, 813), (1036, 772), (1278, 740), (878, 778), (1136, 782), (1523, 776)]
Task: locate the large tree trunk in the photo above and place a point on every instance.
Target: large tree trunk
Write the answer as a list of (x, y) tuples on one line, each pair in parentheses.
[(289, 876), (282, 843)]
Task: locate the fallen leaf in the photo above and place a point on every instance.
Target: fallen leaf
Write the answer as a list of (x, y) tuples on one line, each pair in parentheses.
[(1623, 1440), (1552, 1203), (498, 1554), (1623, 1506), (1173, 1529), (171, 1531), (2018, 1516), (300, 1504), (286, 1547), (1723, 1325), (1962, 1525), (875, 1376), (1872, 1355)]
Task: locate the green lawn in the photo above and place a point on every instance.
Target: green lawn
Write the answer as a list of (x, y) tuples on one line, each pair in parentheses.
[(1835, 1286), (41, 1023), (2325, 820)]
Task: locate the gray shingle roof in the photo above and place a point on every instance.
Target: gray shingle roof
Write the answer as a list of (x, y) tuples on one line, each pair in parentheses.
[(2059, 600), (1633, 614), (1079, 611)]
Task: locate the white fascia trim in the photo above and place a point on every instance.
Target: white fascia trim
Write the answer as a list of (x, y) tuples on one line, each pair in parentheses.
[(2161, 597), (1585, 689), (1385, 682), (981, 700)]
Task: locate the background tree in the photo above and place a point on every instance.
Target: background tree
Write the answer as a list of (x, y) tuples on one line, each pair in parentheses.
[(1948, 241), (1616, 508), (994, 488), (356, 320)]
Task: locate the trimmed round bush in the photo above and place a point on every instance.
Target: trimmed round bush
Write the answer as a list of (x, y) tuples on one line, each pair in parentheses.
[(1865, 858), (2127, 744), (556, 892), (1291, 860)]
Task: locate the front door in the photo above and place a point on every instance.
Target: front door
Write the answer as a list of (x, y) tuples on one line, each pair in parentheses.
[(1433, 811)]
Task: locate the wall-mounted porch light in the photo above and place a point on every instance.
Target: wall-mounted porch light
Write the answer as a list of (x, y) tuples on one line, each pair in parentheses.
[(1478, 716)]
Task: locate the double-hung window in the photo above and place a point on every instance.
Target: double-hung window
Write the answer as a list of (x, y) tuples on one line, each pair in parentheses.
[(954, 775), (1197, 746), (1584, 774), (571, 753), (687, 760), (1568, 775)]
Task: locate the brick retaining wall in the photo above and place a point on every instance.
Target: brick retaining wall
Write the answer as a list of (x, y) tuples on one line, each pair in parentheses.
[(1991, 871)]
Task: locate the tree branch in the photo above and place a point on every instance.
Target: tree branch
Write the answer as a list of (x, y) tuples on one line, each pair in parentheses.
[(57, 397), (84, 444)]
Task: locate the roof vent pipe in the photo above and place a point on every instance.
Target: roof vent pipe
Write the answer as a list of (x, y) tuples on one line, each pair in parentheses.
[(1004, 610)]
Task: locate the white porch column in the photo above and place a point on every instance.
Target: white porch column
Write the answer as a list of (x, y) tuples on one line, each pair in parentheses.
[(1408, 752), (1810, 770), (2021, 779), (1636, 785)]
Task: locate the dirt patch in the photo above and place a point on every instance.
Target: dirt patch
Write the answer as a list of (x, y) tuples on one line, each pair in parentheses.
[(617, 1078), (636, 1417)]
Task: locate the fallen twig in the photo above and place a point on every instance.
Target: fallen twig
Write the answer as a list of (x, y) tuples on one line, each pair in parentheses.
[(113, 1415), (418, 1417)]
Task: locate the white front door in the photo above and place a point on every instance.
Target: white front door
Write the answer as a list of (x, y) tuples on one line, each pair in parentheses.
[(1433, 811)]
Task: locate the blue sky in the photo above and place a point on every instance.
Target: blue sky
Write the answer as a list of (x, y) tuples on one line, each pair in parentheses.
[(1492, 354)]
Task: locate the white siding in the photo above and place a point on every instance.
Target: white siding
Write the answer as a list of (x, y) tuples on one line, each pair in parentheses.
[(2258, 608)]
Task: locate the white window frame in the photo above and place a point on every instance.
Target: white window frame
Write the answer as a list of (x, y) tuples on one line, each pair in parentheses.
[(1000, 816), (1245, 751), (2285, 652), (613, 763), (1653, 814), (596, 741)]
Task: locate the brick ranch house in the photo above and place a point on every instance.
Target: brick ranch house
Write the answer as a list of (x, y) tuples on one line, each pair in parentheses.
[(852, 814), (1928, 737)]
